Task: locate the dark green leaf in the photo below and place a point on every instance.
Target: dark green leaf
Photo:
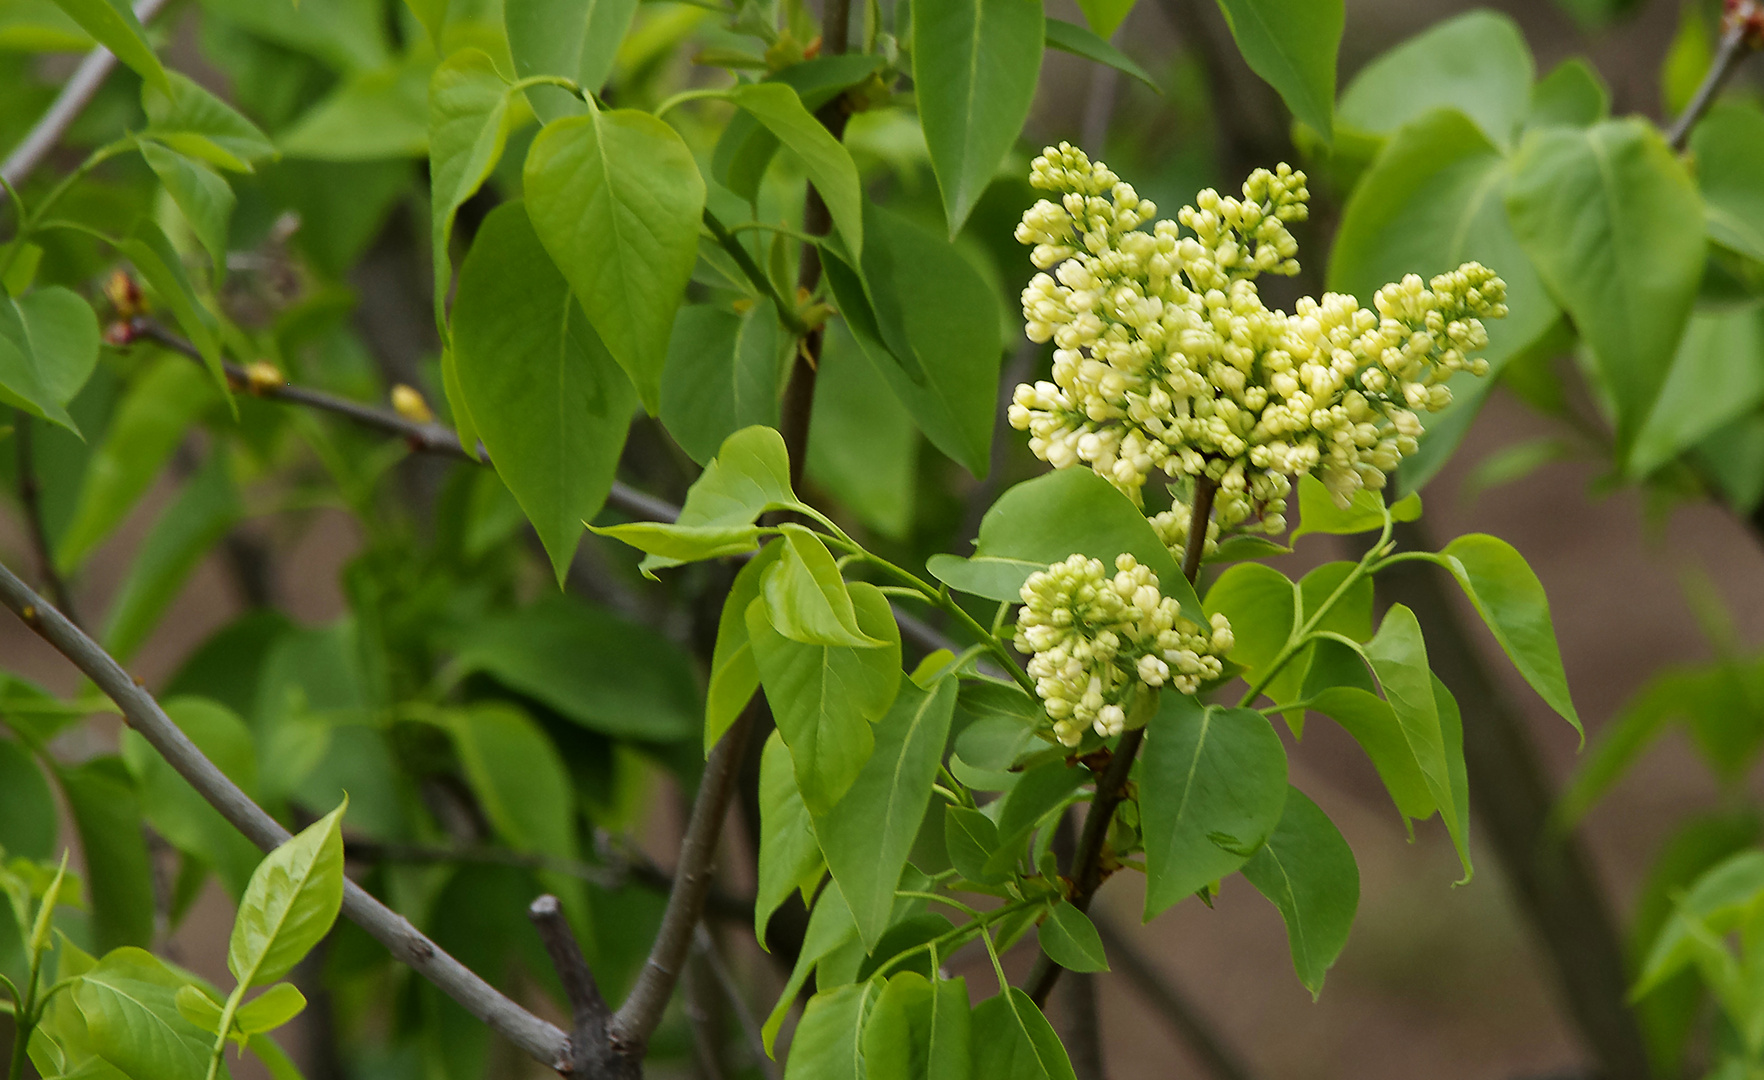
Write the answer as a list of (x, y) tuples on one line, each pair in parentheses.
[(146, 428), (1292, 45), (372, 115), (194, 122), (573, 38), (27, 814), (616, 199), (863, 446), (824, 697), (468, 126), (1075, 39), (545, 396), (202, 514), (1212, 783), (1613, 223), (290, 904), (971, 838), (975, 65), (724, 373), (119, 879), (1013, 1041), (789, 855), (1069, 939), (1573, 93), (869, 832), (1001, 722), (590, 665), (746, 146), (1047, 519), (1729, 155), (928, 322), (1307, 870), (1373, 724), (1477, 63), (113, 24), (1511, 601), (48, 346)]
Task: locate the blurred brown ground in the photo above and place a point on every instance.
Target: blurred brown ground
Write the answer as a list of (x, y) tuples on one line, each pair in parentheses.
[(1437, 981)]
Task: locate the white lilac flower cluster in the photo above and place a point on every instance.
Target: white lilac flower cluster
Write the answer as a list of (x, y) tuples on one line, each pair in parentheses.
[(1096, 639), (1166, 358)]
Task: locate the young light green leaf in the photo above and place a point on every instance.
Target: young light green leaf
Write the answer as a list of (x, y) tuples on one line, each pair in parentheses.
[(1261, 604), (869, 832), (194, 122), (789, 855), (1511, 601), (146, 428), (290, 904), (723, 374), (269, 1010), (830, 930), (827, 1044), (113, 24), (1013, 1041), (576, 39), (975, 66), (1075, 39), (1728, 155), (824, 158), (546, 398), (824, 697), (1722, 347), (1716, 904), (1292, 44), (1308, 871), (806, 598), (589, 665), (468, 126), (734, 675), (1373, 724), (1613, 224), (48, 347), (158, 263), (928, 322), (1319, 512), (1044, 520), (1069, 939), (1399, 659), (197, 1007), (129, 1003), (616, 199), (203, 513), (1212, 785), (203, 195), (1477, 63)]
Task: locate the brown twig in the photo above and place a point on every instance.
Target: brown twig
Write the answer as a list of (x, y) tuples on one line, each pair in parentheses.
[(592, 1053), (1745, 27), (30, 497), (1111, 786)]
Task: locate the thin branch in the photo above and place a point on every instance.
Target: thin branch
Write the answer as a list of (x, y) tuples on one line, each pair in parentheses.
[(591, 1052), (78, 92), (1172, 1004), (637, 1018), (538, 1038), (422, 438), (1745, 26), (1111, 786), (30, 497), (706, 946)]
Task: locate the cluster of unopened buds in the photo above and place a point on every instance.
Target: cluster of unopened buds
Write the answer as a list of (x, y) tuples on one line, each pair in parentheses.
[(1098, 642), (1166, 358)]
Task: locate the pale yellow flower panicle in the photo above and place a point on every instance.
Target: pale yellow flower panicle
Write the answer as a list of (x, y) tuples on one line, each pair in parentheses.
[(1166, 358), (1097, 639)]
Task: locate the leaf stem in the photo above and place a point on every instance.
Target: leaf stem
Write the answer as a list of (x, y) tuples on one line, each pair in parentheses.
[(228, 1011), (751, 270)]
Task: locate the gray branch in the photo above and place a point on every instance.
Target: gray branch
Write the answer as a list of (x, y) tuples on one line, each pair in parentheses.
[(1740, 37), (78, 92), (540, 1039)]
